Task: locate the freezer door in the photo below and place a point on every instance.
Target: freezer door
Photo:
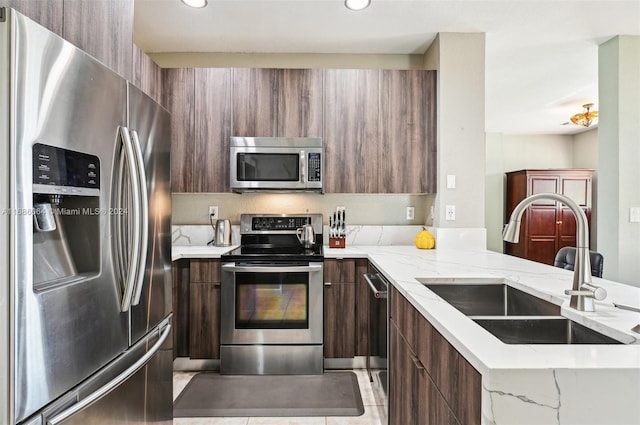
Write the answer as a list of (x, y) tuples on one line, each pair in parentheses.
[(135, 389), (149, 126), (67, 322)]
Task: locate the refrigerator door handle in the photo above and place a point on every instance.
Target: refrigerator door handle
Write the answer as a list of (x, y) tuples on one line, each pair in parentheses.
[(144, 218), (134, 259), (113, 384)]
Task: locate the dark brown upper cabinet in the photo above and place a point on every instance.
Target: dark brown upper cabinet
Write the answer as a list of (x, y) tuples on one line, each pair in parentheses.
[(147, 75), (199, 100), (104, 29), (351, 139), (407, 144), (179, 99), (380, 131), (212, 129), (277, 102)]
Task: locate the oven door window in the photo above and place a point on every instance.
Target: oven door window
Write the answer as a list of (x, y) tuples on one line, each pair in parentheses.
[(268, 167), (272, 301)]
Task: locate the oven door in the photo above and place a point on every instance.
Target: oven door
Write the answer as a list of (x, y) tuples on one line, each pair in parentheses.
[(275, 303)]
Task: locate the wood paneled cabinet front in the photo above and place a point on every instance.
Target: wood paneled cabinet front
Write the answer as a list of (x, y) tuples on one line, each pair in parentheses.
[(346, 308), (430, 383), (204, 309), (546, 225), (380, 131), (199, 100), (103, 29), (277, 102), (196, 308)]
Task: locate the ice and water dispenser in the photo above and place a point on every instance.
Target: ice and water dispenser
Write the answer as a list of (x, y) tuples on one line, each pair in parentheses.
[(66, 215)]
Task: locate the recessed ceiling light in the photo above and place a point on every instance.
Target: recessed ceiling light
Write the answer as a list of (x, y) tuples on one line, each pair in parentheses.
[(357, 4), (195, 3)]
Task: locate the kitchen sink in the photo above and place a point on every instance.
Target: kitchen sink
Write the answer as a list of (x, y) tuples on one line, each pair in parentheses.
[(493, 300), (556, 330)]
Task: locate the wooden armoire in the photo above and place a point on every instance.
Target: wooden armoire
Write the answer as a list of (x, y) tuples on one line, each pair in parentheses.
[(546, 225)]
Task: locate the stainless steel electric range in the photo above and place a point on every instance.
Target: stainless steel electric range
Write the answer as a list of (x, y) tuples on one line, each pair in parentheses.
[(272, 297)]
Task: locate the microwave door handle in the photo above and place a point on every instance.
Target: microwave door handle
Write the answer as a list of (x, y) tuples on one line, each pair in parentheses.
[(143, 218), (134, 260), (303, 167)]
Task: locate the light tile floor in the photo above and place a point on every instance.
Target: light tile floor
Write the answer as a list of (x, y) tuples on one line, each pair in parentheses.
[(373, 399)]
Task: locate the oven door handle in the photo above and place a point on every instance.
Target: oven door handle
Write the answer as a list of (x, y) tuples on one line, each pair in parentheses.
[(231, 267)]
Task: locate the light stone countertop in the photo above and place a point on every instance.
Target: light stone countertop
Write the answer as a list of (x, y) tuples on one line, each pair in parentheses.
[(522, 384)]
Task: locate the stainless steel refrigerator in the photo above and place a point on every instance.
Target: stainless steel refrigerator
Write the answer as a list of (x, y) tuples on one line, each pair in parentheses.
[(85, 272)]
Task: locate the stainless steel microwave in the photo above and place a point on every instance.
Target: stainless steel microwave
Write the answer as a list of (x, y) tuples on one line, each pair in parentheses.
[(276, 164)]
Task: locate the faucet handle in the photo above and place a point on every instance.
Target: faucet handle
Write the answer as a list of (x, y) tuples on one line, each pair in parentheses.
[(591, 291)]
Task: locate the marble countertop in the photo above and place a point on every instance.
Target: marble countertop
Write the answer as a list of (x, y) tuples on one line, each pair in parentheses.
[(403, 265), (521, 384)]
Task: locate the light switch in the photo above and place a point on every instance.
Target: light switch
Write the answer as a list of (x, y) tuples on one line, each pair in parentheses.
[(634, 214), (451, 181)]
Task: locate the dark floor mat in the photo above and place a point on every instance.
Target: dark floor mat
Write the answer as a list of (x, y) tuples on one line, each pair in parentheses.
[(212, 394)]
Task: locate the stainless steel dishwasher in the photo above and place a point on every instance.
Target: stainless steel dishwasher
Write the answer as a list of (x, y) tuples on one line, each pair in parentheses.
[(378, 335)]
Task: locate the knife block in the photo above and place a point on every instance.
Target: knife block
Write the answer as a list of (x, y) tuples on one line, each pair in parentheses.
[(337, 242)]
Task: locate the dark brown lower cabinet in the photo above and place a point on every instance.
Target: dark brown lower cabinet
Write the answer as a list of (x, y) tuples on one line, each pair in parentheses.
[(339, 308), (196, 308), (347, 300), (414, 398), (204, 309), (429, 381)]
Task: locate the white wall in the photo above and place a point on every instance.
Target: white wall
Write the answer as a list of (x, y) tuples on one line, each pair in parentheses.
[(460, 61), (511, 153), (619, 157)]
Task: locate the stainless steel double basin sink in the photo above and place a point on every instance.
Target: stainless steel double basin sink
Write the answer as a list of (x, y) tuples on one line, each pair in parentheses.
[(514, 316)]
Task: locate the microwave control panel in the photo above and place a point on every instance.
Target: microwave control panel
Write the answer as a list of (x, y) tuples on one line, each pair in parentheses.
[(314, 173)]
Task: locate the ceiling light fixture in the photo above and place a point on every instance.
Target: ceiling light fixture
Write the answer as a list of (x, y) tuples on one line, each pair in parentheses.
[(586, 118), (357, 4), (195, 3)]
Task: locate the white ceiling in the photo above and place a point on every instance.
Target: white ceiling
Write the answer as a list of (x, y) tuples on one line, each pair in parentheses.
[(541, 56)]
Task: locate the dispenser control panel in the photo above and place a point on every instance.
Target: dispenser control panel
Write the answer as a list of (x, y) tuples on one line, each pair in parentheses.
[(53, 166)]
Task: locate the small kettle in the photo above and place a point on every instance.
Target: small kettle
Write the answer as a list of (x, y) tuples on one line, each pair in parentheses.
[(222, 233), (306, 236)]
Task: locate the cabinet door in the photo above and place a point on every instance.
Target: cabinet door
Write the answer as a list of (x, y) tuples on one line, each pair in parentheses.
[(147, 75), (181, 279), (407, 131), (179, 98), (48, 13), (401, 379), (212, 129), (339, 308), (541, 232), (351, 136), (104, 29), (578, 188), (255, 102), (299, 103), (204, 310), (363, 306)]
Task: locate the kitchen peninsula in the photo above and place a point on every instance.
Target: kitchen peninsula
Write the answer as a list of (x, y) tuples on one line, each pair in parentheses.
[(520, 384)]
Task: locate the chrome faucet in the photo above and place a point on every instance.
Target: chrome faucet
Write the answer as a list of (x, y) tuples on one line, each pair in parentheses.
[(583, 292)]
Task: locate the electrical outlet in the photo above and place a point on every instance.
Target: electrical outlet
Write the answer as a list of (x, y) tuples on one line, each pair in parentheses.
[(411, 212), (340, 208), (450, 212), (213, 212)]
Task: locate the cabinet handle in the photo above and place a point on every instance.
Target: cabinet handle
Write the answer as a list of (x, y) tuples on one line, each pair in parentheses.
[(328, 284), (417, 363), (558, 222)]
